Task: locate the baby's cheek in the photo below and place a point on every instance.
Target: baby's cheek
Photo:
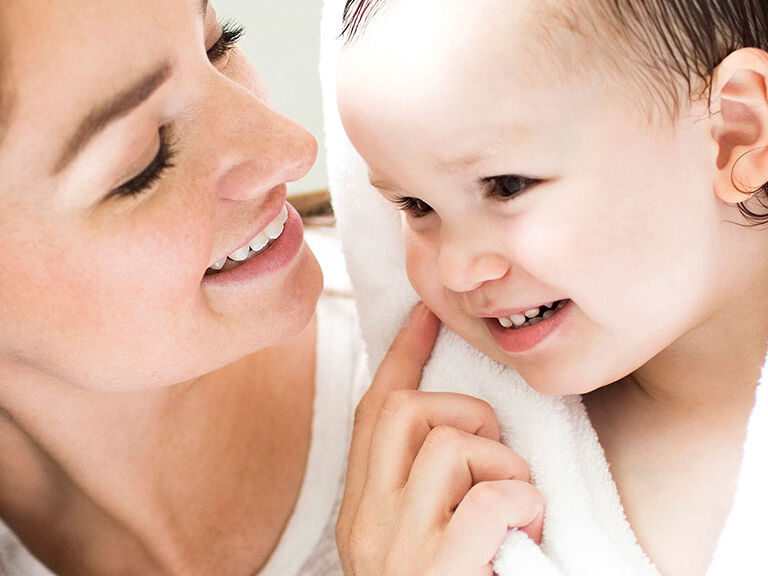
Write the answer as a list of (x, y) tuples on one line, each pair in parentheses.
[(421, 265)]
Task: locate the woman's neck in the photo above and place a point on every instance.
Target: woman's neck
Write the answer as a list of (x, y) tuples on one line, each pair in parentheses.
[(166, 468)]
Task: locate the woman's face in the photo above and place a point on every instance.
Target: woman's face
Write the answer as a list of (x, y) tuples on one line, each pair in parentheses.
[(135, 154)]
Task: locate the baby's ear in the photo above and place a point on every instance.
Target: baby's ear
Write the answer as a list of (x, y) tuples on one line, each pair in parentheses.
[(740, 130)]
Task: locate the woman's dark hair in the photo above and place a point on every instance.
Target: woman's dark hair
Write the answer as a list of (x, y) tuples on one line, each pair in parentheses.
[(676, 44)]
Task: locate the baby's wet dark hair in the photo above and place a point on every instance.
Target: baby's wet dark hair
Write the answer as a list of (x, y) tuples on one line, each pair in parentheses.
[(667, 49)]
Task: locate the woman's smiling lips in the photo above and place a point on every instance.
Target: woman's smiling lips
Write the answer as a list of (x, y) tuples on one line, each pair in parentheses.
[(523, 330), (270, 211), (282, 250)]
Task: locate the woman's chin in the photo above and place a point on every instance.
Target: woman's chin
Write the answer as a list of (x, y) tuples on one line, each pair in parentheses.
[(298, 301), (281, 321)]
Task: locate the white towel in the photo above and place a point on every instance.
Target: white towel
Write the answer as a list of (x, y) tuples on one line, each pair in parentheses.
[(585, 531)]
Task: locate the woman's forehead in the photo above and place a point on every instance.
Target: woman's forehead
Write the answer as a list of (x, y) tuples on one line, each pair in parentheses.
[(61, 60)]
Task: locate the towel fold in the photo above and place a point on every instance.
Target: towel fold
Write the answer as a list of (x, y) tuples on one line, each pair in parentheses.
[(585, 531)]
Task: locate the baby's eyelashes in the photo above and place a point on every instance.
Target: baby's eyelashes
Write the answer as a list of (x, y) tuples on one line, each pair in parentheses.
[(502, 188), (507, 187), (412, 206)]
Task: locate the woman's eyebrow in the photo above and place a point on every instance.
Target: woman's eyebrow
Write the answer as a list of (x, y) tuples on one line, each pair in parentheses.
[(116, 107)]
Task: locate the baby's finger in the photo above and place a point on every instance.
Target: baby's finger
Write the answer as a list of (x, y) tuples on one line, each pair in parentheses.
[(405, 421), (482, 519), (450, 462)]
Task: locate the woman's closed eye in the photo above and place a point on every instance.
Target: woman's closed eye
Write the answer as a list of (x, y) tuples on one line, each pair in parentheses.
[(154, 171), (163, 160)]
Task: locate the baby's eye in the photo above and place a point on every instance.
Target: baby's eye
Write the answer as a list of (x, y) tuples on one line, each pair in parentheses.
[(507, 187), (413, 206)]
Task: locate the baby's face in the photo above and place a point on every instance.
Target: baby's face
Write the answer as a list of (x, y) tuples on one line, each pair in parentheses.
[(528, 192)]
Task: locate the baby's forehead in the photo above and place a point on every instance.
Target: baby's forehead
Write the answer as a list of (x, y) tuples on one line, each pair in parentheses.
[(436, 49), (536, 37), (436, 83)]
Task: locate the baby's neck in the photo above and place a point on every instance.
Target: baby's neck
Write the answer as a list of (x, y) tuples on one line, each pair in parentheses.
[(710, 372), (673, 433)]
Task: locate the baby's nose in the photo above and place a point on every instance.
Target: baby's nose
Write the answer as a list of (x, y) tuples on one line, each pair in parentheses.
[(465, 263)]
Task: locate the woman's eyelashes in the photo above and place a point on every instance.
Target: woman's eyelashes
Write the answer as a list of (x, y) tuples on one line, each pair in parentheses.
[(230, 34), (154, 171), (163, 160)]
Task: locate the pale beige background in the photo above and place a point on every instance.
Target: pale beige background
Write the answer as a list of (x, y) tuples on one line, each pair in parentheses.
[(283, 40)]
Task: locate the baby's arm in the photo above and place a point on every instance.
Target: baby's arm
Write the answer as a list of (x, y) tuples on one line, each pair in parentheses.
[(430, 489)]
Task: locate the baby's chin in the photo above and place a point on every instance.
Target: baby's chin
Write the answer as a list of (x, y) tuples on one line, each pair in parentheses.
[(547, 375)]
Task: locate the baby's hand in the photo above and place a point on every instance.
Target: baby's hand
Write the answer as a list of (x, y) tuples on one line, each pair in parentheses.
[(430, 489)]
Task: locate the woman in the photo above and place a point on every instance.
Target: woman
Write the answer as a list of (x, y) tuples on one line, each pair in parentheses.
[(173, 398), (157, 330)]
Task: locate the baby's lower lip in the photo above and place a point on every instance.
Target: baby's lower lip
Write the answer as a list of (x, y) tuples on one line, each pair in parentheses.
[(526, 337)]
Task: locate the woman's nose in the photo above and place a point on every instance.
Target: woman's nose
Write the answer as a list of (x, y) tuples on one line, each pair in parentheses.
[(467, 260), (258, 147)]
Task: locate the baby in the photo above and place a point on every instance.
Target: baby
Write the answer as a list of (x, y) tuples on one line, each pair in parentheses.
[(578, 181)]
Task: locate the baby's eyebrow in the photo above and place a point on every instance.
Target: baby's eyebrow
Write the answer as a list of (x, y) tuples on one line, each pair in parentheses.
[(462, 162), (381, 184)]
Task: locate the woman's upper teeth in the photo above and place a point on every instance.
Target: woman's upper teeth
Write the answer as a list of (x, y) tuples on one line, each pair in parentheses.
[(240, 254), (272, 231)]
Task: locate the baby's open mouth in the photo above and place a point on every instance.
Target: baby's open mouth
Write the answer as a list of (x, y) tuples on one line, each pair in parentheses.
[(257, 245), (533, 316)]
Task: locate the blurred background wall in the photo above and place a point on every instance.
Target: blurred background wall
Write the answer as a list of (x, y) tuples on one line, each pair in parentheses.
[(282, 39)]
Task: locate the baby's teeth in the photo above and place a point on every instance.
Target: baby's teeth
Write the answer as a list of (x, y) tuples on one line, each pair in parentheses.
[(560, 304), (506, 322), (259, 242), (548, 314), (219, 265), (274, 229), (518, 320), (240, 254), (548, 305), (532, 312), (533, 321), (283, 215)]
